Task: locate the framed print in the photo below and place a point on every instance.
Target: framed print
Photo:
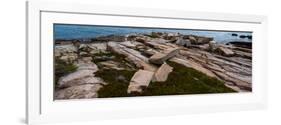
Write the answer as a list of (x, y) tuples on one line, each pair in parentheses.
[(91, 62)]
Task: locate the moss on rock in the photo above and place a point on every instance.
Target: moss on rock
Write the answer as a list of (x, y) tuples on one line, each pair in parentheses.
[(62, 68), (185, 80), (117, 86), (181, 81), (101, 57)]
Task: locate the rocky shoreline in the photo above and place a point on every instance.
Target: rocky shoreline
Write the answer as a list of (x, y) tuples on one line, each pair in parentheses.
[(149, 59)]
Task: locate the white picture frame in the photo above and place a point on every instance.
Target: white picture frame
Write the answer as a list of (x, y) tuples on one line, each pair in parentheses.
[(41, 107)]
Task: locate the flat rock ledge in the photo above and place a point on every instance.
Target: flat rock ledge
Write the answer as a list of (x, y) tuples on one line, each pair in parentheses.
[(84, 91), (140, 80), (160, 58), (161, 75), (231, 64), (82, 83), (225, 51)]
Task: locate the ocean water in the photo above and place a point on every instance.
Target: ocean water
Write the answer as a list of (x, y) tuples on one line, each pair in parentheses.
[(85, 32)]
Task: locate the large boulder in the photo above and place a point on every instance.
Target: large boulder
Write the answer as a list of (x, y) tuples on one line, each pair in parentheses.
[(130, 37), (111, 65), (203, 40), (225, 51), (87, 66), (128, 44), (160, 58), (161, 75), (156, 34), (66, 53), (100, 46), (92, 48), (83, 75), (140, 79), (191, 38), (194, 65), (183, 42), (198, 39), (84, 91), (76, 78), (97, 48), (141, 39), (132, 55), (212, 46), (149, 52), (68, 58), (123, 50), (68, 48), (171, 36)]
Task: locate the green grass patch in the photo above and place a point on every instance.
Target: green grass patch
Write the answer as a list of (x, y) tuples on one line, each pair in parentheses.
[(181, 81), (118, 82), (118, 79), (62, 68), (101, 57), (185, 80)]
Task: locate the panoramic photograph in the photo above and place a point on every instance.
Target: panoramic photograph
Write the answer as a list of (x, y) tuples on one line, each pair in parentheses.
[(93, 61)]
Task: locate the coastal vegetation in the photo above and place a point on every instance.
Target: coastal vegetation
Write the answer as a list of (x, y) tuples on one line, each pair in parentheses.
[(181, 81), (150, 64), (62, 69)]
